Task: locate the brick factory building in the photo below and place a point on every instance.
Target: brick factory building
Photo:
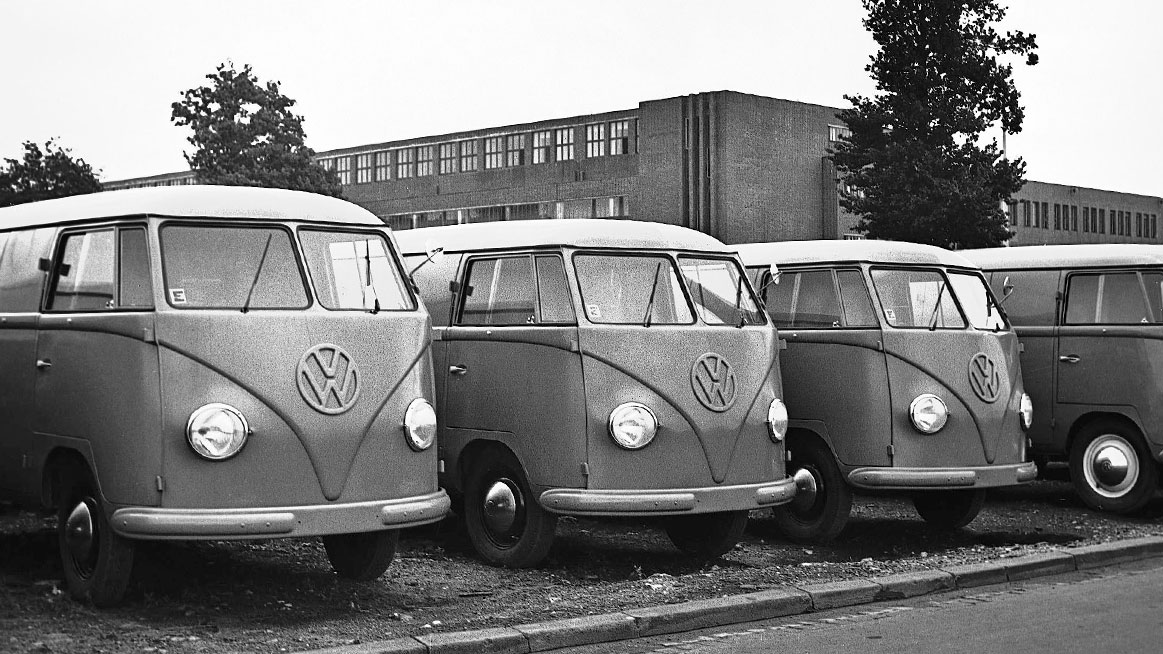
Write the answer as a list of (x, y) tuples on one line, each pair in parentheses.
[(739, 167)]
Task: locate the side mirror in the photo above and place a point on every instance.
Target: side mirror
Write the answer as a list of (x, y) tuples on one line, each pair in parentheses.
[(1007, 289), (775, 273)]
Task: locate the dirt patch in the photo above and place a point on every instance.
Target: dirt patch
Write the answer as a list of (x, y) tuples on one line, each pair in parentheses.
[(282, 596)]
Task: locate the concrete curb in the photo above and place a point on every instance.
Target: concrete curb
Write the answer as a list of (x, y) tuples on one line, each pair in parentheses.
[(751, 607)]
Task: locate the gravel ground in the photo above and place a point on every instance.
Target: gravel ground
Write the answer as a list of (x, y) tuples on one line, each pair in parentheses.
[(281, 595)]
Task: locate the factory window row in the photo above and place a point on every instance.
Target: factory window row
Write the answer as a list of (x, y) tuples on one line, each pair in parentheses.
[(601, 139), (1087, 220), (604, 207)]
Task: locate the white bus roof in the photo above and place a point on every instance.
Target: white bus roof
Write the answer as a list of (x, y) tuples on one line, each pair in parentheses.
[(864, 251), (580, 233), (1063, 256), (189, 201)]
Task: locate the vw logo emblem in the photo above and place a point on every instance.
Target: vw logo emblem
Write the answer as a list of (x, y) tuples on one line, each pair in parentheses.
[(328, 379), (984, 377), (713, 382)]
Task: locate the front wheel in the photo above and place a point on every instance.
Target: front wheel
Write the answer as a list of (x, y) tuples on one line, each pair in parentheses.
[(1110, 468), (946, 510), (709, 535), (504, 521), (819, 511), (97, 562), (364, 556)]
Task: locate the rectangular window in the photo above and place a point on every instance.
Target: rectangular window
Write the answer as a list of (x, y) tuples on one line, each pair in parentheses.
[(1106, 299), (503, 292), (1025, 213), (542, 141), (596, 140), (1037, 214), (363, 168), (1074, 217), (383, 166), (1154, 224), (1057, 216), (494, 152), (343, 169), (405, 163), (424, 157), (1045, 215), (620, 137), (553, 296), (515, 150), (447, 158), (563, 144), (631, 290), (804, 300), (916, 298), (85, 273), (354, 271), (327, 164), (210, 267), (1086, 219), (1138, 224), (468, 156), (837, 132), (1101, 221), (720, 295)]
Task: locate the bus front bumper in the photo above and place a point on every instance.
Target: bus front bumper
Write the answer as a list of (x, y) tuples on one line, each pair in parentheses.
[(668, 501), (938, 478), (147, 523)]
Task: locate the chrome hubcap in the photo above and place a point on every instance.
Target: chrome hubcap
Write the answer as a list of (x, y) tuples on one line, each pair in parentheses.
[(501, 507), (79, 531), (1110, 465), (807, 487)]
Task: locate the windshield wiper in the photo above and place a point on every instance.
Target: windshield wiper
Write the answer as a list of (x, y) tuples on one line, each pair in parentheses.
[(254, 282), (936, 308), (367, 257), (653, 290), (739, 302)]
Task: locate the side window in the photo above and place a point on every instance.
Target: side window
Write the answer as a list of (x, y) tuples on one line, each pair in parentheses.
[(1034, 298), (804, 300), (553, 290), (1107, 298), (858, 311), (499, 292), (134, 289), (1153, 285), (84, 275), (21, 279)]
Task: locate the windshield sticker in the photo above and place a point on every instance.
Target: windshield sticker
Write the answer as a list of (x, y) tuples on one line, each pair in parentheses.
[(890, 314), (594, 310), (177, 296)]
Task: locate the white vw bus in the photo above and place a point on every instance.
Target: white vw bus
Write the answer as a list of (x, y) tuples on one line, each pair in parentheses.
[(901, 374), (212, 363), (599, 368)]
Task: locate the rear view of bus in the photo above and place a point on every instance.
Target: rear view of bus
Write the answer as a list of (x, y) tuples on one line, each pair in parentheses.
[(223, 363)]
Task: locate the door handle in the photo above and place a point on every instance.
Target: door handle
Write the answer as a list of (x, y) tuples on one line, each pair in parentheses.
[(458, 370), (43, 364), (1070, 358)]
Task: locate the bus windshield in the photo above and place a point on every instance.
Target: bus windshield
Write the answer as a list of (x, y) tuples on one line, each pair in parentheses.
[(631, 289), (354, 271), (230, 267)]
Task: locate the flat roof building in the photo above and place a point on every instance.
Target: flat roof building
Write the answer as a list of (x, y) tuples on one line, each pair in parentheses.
[(742, 168)]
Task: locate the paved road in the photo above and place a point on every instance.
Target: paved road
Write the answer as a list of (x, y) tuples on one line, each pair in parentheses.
[(1116, 610)]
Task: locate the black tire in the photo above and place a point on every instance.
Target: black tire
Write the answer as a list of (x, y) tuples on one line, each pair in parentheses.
[(945, 510), (707, 535), (505, 523), (1111, 469), (819, 511), (364, 556), (97, 563)]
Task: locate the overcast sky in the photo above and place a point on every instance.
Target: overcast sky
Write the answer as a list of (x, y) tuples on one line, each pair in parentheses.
[(100, 76)]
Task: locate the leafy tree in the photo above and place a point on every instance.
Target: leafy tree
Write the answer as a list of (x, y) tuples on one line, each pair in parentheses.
[(43, 175), (914, 161), (245, 134)]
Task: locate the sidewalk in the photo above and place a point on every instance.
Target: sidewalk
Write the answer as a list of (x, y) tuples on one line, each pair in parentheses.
[(774, 603)]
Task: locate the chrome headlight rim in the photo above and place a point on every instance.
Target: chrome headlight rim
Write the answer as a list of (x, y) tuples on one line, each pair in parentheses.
[(1026, 411), (195, 429), (928, 413), (420, 424), (777, 420), (624, 410)]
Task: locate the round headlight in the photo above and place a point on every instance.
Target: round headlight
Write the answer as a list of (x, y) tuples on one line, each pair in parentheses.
[(777, 420), (420, 424), (216, 431), (1026, 409), (633, 425), (928, 413)]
